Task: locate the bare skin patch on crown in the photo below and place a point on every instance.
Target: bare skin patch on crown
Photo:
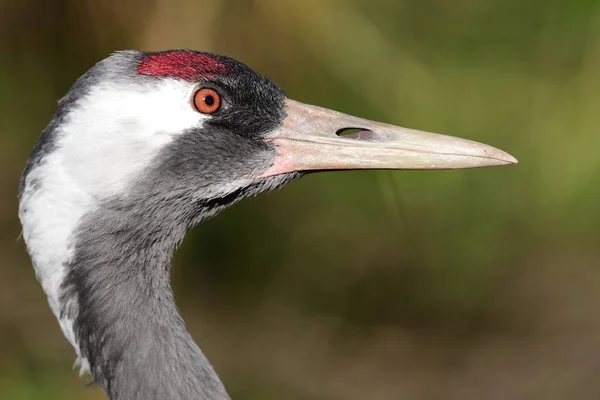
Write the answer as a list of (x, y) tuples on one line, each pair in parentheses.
[(181, 64)]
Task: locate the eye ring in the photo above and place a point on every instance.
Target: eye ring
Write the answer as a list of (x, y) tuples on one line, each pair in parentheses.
[(206, 100)]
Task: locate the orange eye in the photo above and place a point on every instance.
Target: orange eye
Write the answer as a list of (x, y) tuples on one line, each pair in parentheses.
[(206, 100)]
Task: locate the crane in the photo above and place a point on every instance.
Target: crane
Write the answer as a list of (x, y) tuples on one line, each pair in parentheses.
[(143, 147)]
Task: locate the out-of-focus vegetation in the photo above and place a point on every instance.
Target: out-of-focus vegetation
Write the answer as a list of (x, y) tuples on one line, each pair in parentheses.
[(473, 284)]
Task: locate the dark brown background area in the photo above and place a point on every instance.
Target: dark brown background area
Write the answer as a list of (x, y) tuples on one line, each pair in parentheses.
[(473, 284)]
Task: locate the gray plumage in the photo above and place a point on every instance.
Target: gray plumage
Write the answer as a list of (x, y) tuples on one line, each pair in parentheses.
[(117, 287)]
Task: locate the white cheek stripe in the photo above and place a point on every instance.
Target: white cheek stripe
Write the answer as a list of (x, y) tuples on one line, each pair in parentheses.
[(116, 131), (49, 215), (108, 138)]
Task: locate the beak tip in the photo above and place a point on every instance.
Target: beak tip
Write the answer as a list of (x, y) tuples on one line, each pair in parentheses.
[(510, 160), (495, 156)]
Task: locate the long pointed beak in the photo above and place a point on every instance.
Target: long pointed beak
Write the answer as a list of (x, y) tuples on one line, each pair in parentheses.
[(310, 139)]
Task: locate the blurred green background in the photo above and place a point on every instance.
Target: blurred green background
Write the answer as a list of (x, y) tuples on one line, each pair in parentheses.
[(471, 284)]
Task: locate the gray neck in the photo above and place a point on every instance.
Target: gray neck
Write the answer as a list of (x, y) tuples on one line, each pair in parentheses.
[(127, 323)]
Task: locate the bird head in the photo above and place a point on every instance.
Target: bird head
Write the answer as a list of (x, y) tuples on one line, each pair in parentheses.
[(145, 145), (204, 128)]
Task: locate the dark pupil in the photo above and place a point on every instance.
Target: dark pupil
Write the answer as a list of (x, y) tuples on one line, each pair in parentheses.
[(209, 100)]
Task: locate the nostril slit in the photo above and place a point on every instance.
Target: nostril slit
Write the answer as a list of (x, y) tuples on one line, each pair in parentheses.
[(348, 131), (354, 133)]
